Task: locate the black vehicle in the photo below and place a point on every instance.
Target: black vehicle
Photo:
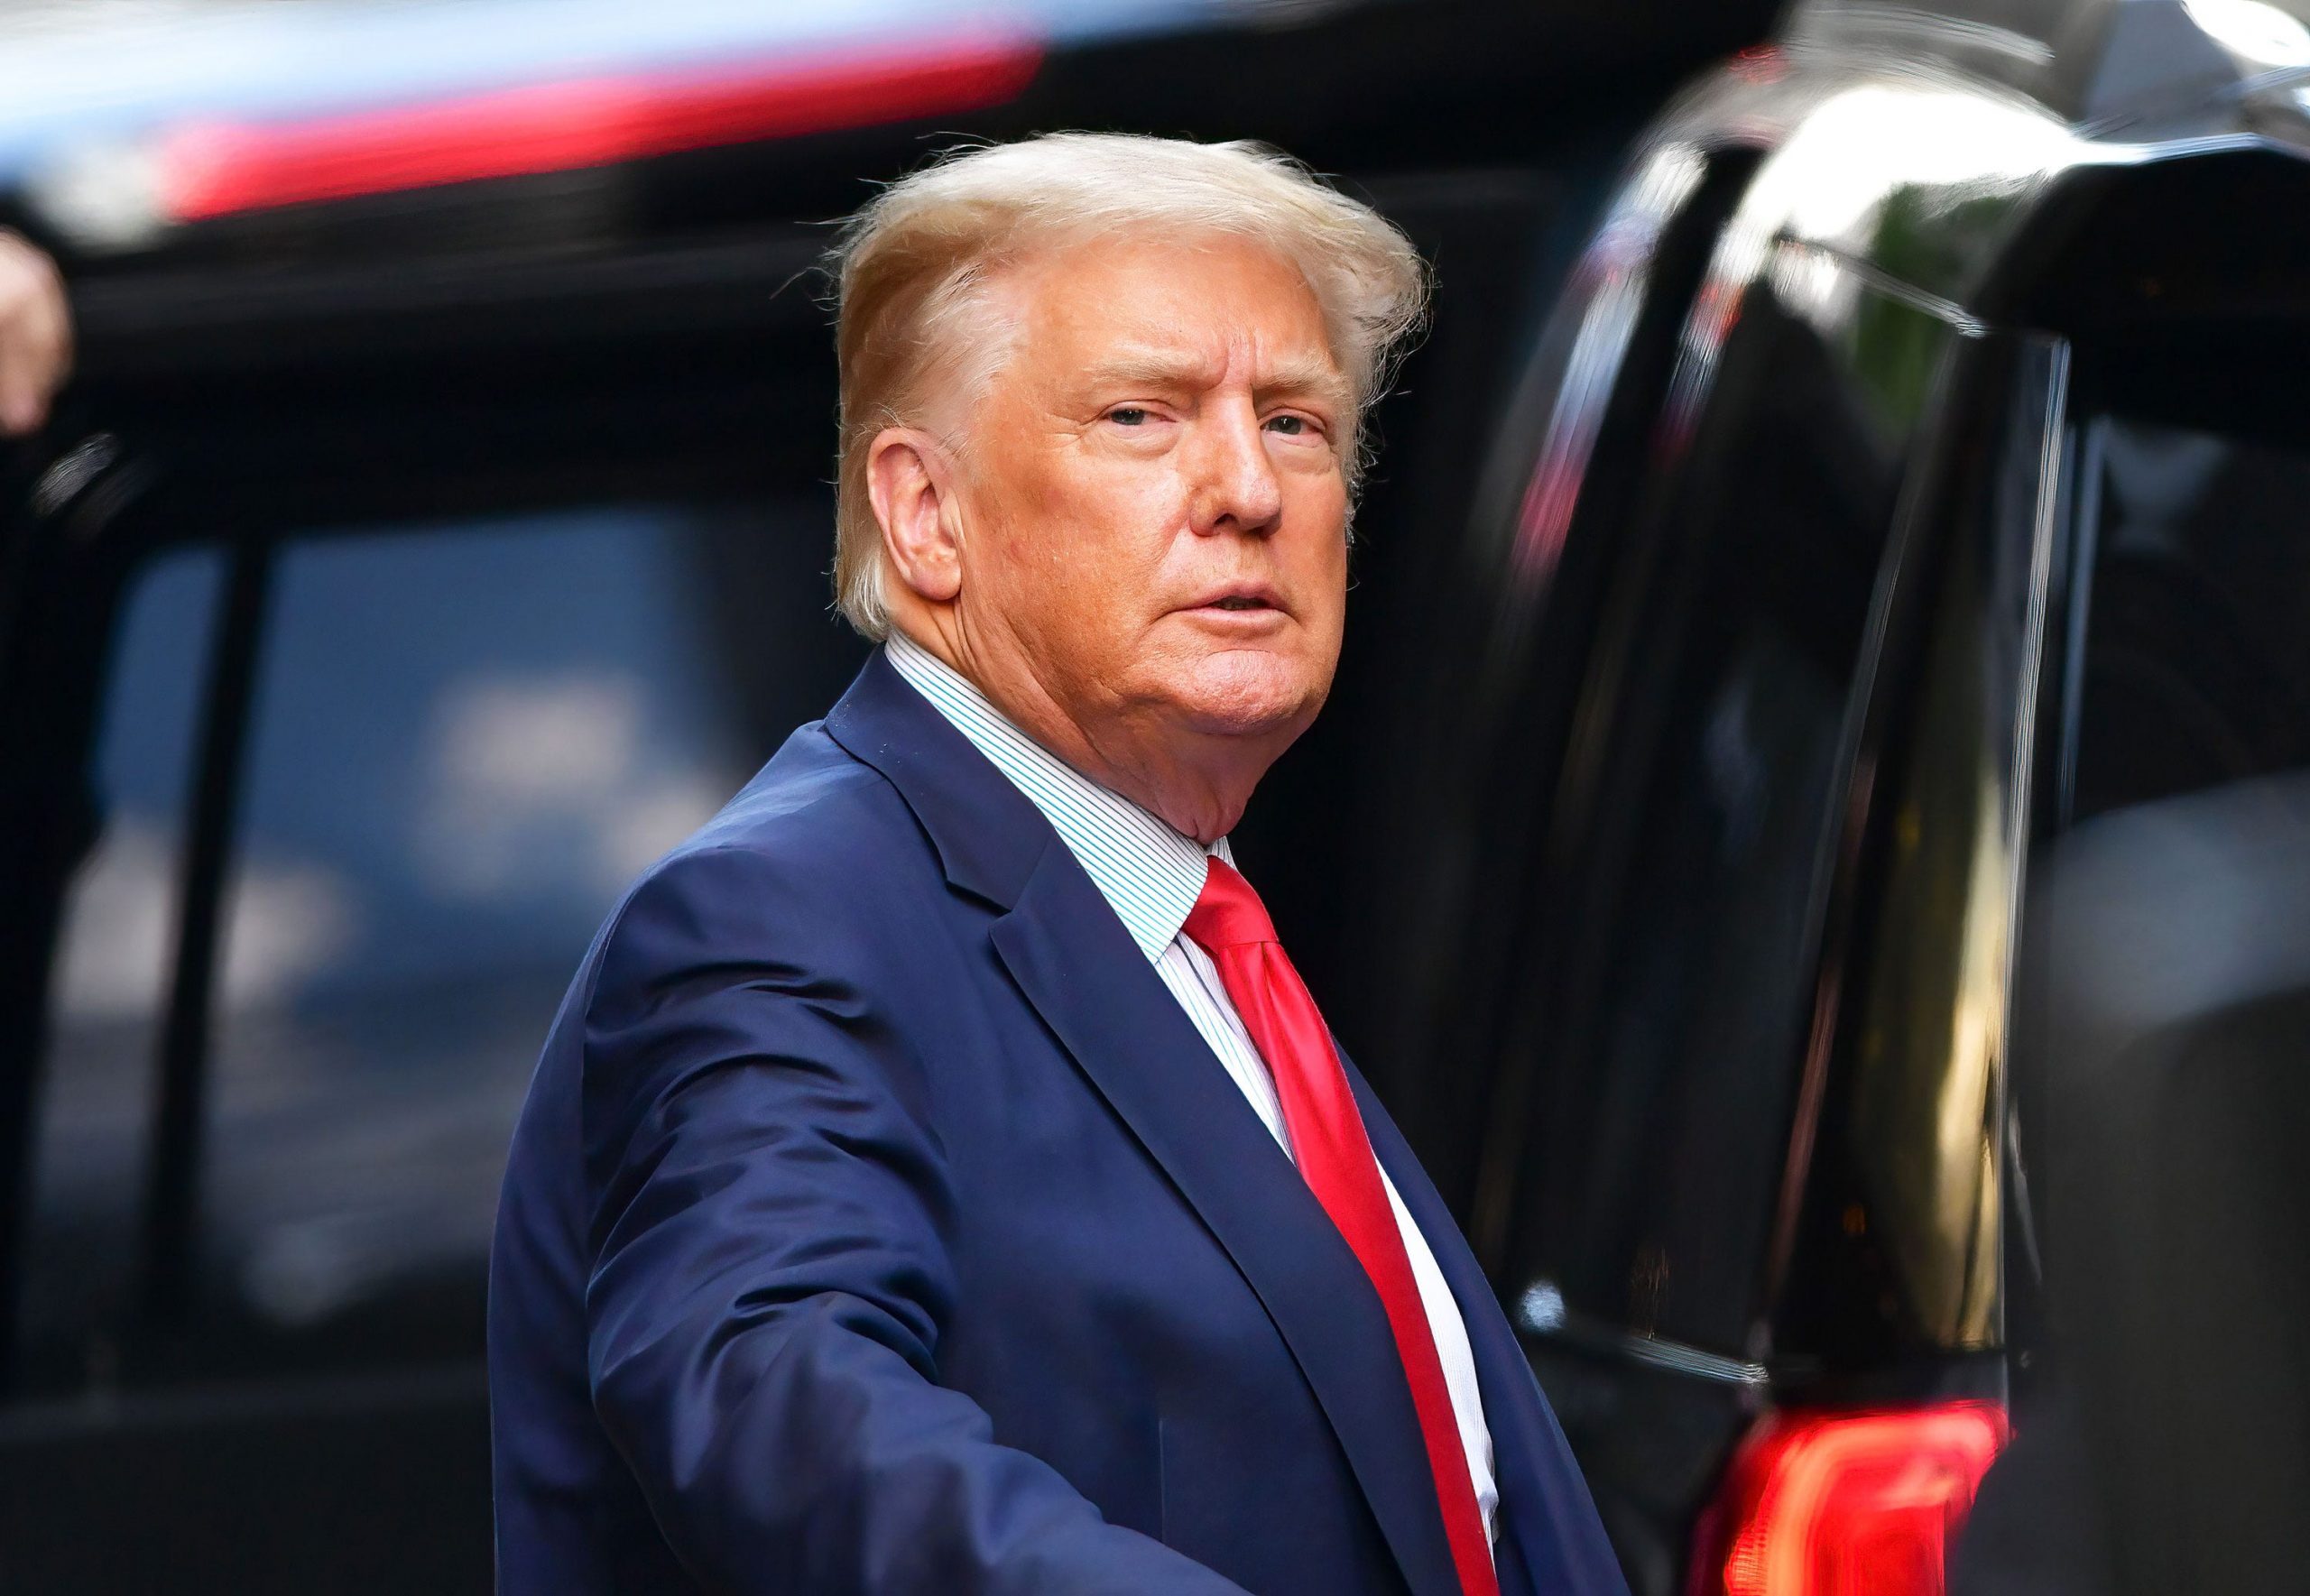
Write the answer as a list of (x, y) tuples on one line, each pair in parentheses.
[(1867, 516), (1899, 524)]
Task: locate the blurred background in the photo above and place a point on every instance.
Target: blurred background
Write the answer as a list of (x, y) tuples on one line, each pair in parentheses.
[(1822, 759)]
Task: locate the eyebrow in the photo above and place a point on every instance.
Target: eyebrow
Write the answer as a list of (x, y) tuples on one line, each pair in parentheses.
[(1299, 374)]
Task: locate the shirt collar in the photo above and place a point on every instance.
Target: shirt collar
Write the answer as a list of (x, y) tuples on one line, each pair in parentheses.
[(1149, 874)]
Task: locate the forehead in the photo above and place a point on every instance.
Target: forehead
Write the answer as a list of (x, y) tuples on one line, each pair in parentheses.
[(1226, 309)]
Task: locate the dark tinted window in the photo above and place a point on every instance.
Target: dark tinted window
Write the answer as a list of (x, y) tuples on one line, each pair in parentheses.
[(465, 740), (2196, 664), (1675, 974), (2162, 1067)]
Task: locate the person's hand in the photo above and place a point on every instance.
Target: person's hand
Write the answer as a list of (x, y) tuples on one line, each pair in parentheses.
[(35, 335)]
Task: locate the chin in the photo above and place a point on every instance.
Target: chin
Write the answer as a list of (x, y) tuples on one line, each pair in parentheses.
[(1250, 693)]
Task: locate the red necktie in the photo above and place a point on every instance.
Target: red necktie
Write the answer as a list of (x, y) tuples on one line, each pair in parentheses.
[(1335, 1158)]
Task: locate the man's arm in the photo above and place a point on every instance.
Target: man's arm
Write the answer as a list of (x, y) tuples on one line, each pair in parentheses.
[(770, 1272)]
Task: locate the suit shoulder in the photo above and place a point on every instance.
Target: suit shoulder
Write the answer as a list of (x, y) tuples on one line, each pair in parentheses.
[(813, 852), (813, 807)]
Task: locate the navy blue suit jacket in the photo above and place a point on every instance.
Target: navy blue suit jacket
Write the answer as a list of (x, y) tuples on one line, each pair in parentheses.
[(879, 1223)]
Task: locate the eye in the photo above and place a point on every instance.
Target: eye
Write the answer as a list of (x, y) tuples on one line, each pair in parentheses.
[(1291, 425), (1128, 415)]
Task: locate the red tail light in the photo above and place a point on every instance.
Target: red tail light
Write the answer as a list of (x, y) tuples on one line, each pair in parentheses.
[(213, 168), (1857, 1504)]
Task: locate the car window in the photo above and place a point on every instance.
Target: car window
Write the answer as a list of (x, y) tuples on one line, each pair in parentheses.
[(2195, 670), (1691, 844), (2162, 1061), (465, 739)]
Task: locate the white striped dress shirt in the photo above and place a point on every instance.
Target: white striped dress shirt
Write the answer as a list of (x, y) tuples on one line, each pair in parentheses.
[(1151, 876)]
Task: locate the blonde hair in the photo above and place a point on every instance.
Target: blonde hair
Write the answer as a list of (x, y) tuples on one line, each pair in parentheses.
[(909, 266)]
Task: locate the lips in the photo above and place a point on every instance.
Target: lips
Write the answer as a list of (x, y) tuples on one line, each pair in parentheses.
[(1240, 598)]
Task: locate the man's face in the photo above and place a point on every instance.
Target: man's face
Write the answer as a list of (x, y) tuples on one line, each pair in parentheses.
[(1154, 495)]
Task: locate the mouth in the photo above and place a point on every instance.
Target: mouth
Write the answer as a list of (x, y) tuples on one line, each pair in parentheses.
[(1240, 598)]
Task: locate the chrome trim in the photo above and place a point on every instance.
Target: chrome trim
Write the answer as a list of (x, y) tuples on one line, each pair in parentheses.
[(1679, 1359), (1540, 1316), (1611, 286), (2045, 535), (1909, 25), (1961, 321)]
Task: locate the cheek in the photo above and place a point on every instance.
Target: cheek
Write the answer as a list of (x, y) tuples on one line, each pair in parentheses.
[(1320, 558), (1111, 525), (1079, 556)]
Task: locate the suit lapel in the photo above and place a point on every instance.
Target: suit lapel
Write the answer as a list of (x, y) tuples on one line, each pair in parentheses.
[(1092, 985), (1548, 1540), (1073, 962)]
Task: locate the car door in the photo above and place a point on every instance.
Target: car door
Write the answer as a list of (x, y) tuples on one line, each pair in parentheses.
[(2163, 999), (347, 696)]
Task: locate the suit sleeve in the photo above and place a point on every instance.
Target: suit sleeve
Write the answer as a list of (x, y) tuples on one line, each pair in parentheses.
[(771, 1271)]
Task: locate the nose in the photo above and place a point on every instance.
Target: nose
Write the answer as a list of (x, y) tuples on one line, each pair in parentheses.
[(1235, 487)]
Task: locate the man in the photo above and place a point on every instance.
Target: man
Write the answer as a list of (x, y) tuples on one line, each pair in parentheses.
[(937, 1180)]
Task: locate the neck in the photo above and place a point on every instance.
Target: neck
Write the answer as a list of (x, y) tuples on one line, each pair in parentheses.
[(1196, 783)]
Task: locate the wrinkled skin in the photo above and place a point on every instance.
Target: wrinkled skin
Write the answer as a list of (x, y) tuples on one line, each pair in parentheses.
[(1134, 537)]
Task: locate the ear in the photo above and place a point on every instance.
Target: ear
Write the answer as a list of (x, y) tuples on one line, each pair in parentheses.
[(909, 482)]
